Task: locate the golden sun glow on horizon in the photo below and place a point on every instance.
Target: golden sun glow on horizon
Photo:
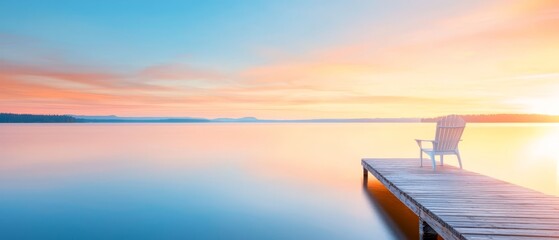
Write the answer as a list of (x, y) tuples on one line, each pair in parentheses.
[(545, 149), (547, 106)]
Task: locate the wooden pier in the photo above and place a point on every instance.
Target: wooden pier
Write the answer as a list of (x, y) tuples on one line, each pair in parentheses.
[(458, 204)]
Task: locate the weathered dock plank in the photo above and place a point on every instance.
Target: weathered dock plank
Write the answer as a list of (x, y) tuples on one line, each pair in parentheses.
[(458, 204)]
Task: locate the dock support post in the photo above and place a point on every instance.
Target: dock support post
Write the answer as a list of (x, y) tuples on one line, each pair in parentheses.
[(365, 174), (426, 232)]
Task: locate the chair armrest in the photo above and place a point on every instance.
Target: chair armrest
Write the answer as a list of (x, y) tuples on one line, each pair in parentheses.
[(419, 141)]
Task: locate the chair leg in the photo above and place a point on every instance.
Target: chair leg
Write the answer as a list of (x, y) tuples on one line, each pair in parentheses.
[(432, 156), (459, 160), (442, 160), (421, 158)]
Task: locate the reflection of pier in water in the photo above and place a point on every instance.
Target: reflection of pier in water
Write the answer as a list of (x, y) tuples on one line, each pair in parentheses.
[(403, 222)]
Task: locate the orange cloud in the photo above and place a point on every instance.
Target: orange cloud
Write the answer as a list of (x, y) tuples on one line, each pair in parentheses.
[(87, 78)]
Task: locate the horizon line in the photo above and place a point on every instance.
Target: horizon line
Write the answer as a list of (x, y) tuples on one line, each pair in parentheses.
[(281, 119)]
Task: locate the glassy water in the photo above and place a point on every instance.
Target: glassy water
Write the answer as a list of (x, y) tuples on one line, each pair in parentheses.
[(235, 181)]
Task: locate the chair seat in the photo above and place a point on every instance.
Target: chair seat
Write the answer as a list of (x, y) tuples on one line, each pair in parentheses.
[(430, 150)]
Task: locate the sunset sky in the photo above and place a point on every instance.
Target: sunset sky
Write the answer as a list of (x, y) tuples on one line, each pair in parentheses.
[(279, 59)]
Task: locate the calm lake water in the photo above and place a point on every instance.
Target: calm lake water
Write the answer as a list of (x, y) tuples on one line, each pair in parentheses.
[(235, 181)]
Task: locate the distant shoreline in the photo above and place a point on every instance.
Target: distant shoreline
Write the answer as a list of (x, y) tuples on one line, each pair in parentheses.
[(488, 118)]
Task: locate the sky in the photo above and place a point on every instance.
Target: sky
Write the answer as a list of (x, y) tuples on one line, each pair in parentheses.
[(288, 59)]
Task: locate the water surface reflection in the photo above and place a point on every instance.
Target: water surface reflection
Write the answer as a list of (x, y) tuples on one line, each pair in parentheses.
[(402, 221), (239, 181)]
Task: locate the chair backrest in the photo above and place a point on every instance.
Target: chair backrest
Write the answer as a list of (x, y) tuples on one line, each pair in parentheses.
[(449, 132)]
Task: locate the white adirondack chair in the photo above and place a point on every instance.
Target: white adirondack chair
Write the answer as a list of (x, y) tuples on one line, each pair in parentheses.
[(447, 137)]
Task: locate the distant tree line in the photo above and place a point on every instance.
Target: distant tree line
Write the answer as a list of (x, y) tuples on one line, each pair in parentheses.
[(503, 118), (33, 118)]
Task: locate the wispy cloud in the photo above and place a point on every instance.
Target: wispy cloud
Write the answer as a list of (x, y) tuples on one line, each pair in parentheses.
[(479, 60), (180, 71)]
